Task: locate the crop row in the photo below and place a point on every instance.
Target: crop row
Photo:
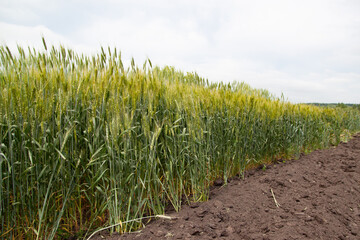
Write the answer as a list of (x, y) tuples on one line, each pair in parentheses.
[(86, 142)]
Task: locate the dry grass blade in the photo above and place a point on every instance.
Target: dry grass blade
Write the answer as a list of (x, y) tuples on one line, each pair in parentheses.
[(273, 195)]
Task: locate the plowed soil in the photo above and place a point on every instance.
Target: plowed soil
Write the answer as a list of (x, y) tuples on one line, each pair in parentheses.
[(314, 197)]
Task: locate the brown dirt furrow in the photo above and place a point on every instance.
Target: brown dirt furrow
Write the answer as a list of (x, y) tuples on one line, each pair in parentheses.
[(319, 198)]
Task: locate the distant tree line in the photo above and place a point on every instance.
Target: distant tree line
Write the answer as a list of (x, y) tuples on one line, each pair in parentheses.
[(340, 105)]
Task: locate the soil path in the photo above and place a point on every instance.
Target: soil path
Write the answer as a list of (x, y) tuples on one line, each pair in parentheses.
[(318, 197)]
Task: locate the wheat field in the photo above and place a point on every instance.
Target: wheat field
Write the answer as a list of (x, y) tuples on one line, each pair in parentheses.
[(86, 142)]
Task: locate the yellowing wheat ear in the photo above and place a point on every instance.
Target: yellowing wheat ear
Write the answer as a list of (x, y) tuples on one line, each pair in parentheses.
[(87, 143)]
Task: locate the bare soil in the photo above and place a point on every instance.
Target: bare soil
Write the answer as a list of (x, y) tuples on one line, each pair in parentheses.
[(318, 197)]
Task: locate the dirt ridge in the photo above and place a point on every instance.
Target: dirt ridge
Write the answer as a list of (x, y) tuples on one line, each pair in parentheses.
[(318, 197)]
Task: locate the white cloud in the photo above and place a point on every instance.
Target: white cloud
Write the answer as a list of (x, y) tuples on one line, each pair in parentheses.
[(29, 36), (20, 15)]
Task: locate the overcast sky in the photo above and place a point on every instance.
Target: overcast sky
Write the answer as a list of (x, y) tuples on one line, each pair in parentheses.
[(309, 50)]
